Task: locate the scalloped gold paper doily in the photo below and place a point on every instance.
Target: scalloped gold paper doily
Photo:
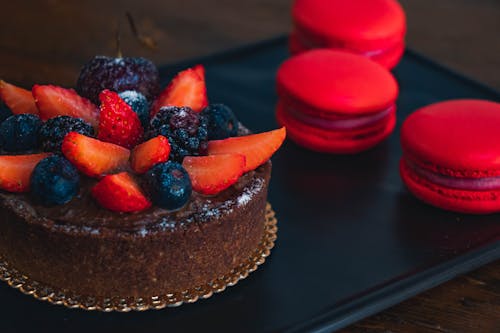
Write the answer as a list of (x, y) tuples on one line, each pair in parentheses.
[(42, 292)]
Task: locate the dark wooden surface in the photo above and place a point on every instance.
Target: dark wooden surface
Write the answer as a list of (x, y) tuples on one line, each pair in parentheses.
[(47, 42)]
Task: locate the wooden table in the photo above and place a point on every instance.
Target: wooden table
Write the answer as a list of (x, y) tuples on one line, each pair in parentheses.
[(48, 41)]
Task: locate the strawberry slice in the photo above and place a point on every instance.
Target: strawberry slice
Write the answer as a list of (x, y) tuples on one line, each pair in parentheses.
[(257, 148), (18, 100), (213, 174), (149, 153), (186, 89), (118, 123), (200, 70), (16, 170), (53, 101), (120, 193), (93, 157)]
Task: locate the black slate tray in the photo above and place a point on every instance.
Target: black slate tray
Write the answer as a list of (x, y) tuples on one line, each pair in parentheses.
[(351, 242)]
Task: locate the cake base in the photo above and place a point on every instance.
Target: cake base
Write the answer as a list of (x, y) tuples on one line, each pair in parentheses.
[(43, 292)]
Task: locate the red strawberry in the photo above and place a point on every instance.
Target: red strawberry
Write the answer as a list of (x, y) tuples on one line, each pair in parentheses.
[(18, 100), (16, 170), (200, 70), (120, 193), (118, 123), (257, 148), (53, 101), (149, 153), (213, 174), (186, 89), (93, 157)]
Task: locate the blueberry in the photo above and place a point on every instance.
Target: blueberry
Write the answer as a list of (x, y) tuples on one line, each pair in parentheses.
[(55, 181), (4, 112), (55, 129), (222, 123), (19, 133), (139, 103), (168, 185), (118, 74)]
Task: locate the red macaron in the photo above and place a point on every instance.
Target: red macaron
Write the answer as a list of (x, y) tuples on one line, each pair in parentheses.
[(372, 28), (451, 155), (336, 102)]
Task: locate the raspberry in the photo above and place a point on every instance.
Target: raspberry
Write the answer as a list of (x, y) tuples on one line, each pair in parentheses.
[(55, 129), (185, 129)]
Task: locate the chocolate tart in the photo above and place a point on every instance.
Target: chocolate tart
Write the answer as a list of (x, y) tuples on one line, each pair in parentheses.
[(86, 250)]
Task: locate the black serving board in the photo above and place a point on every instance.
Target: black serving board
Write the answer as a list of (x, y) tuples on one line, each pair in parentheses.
[(352, 241)]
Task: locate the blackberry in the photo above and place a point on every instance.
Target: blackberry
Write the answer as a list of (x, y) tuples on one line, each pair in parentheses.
[(185, 129), (19, 133), (55, 129), (139, 104), (4, 112), (222, 123), (118, 74), (54, 181), (168, 185)]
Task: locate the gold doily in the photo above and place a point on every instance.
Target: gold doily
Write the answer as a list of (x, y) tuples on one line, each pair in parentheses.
[(40, 291)]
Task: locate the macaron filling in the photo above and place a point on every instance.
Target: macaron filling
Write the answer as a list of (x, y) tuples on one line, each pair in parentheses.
[(468, 184), (342, 124)]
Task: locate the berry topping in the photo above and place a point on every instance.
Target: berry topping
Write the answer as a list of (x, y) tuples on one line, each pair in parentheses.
[(168, 185), (222, 122), (54, 181), (54, 130), (139, 104), (149, 153), (120, 193), (257, 148), (186, 89), (200, 70), (18, 100), (4, 112), (118, 74), (185, 129), (15, 171), (213, 174), (53, 101), (93, 157), (19, 133), (118, 124)]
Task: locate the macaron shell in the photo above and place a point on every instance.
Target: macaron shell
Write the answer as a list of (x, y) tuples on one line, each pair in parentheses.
[(337, 81), (359, 24), (388, 58), (459, 138), (461, 201), (340, 142)]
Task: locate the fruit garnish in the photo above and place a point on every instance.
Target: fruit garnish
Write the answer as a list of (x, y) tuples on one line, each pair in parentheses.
[(139, 104), (185, 130), (4, 112), (120, 193), (54, 130), (54, 181), (200, 70), (16, 170), (53, 101), (168, 185), (257, 148), (93, 157), (118, 74), (118, 124), (185, 89), (213, 174), (18, 100), (19, 133), (222, 123), (149, 153)]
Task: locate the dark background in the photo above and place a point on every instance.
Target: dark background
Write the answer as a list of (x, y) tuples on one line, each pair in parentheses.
[(48, 41)]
